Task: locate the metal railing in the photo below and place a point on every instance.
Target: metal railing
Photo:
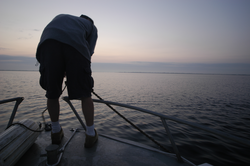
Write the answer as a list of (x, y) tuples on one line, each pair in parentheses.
[(161, 116), (163, 119), (18, 101), (216, 132)]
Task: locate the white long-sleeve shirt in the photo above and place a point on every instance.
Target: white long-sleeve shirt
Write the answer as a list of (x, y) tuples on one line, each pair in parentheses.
[(77, 32)]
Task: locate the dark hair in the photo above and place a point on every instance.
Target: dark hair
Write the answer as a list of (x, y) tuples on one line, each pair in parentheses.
[(84, 16)]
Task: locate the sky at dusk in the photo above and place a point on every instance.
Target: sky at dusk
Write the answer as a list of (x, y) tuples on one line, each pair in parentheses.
[(137, 31)]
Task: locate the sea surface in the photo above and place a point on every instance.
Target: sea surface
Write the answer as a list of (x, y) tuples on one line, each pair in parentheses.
[(220, 102)]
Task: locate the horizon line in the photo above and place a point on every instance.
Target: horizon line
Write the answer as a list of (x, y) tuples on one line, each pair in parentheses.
[(147, 72)]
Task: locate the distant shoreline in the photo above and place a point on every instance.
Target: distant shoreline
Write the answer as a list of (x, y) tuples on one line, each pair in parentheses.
[(146, 72)]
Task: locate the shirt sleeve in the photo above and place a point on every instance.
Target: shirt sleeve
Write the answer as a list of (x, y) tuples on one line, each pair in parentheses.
[(92, 38)]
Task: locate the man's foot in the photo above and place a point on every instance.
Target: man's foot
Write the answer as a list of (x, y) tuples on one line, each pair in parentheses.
[(90, 140), (57, 137)]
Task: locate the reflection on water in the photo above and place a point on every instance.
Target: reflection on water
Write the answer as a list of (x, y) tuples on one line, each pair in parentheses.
[(217, 101)]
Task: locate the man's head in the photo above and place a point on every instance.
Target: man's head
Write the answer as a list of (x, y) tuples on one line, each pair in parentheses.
[(88, 18)]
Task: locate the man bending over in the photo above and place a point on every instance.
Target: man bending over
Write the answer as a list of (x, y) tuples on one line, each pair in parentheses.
[(66, 46)]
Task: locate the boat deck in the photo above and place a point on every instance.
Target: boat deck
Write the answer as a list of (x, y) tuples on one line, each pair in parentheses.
[(107, 151)]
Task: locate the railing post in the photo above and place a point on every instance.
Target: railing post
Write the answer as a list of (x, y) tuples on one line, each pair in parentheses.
[(74, 110), (171, 140), (18, 101)]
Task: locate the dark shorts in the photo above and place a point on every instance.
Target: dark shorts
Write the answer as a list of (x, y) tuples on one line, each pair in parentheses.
[(56, 59)]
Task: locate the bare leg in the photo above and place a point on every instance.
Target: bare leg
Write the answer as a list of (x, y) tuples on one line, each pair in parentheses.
[(54, 109), (88, 110)]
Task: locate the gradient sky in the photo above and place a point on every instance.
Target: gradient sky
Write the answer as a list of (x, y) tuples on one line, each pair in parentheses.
[(187, 31)]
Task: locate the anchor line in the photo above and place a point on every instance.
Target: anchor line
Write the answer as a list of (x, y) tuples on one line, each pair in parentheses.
[(132, 124)]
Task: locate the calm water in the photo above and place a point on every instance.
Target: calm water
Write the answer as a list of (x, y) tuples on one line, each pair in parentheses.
[(220, 102)]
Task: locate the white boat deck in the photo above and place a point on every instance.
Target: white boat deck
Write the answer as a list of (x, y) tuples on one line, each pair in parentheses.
[(108, 151)]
